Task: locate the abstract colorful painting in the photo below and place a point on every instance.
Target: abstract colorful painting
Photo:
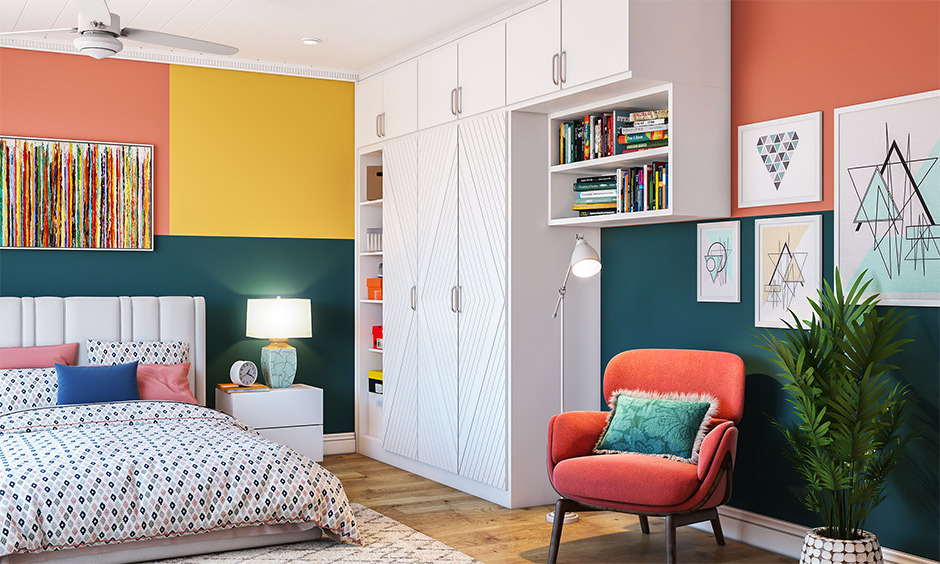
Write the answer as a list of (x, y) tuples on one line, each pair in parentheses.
[(887, 197), (780, 161), (75, 195), (719, 262), (788, 268)]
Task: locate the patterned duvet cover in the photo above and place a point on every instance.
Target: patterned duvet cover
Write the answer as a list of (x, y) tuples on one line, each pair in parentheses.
[(84, 475)]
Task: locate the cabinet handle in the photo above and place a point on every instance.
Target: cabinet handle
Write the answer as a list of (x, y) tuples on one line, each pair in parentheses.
[(460, 99), (453, 101), (383, 124), (378, 132), (453, 299), (555, 69), (458, 308), (563, 73), (414, 296)]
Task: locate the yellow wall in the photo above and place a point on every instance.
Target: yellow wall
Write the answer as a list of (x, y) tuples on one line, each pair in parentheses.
[(258, 155)]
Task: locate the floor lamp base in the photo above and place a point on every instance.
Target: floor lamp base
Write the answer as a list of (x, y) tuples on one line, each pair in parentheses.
[(569, 517)]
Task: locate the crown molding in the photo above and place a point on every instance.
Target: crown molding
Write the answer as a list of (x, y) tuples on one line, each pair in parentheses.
[(173, 58)]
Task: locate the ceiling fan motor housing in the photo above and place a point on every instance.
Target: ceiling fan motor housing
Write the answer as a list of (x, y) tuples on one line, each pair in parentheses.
[(99, 39)]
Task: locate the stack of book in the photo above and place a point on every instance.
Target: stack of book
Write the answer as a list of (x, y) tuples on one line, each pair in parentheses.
[(596, 195), (612, 133), (236, 389)]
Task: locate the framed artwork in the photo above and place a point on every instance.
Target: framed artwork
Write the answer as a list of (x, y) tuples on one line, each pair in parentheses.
[(887, 197), (780, 161), (719, 262), (788, 268), (57, 194)]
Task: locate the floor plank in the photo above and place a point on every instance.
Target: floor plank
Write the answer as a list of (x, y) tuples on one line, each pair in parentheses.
[(496, 535)]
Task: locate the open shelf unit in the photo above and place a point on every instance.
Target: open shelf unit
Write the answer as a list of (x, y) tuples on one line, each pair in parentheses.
[(698, 137), (368, 312)]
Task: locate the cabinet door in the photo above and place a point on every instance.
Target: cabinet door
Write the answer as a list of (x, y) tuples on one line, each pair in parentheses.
[(437, 79), (368, 108), (587, 53), (533, 38), (482, 397), (437, 278), (400, 99), (400, 258), (481, 60)]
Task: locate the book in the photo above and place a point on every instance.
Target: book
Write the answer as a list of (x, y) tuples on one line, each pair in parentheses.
[(605, 206), (649, 114), (594, 186), (628, 148), (605, 200), (589, 213), (590, 179), (230, 388), (647, 136), (596, 193)]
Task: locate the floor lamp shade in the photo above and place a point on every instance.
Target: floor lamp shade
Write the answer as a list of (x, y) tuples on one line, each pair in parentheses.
[(278, 320), (584, 260)]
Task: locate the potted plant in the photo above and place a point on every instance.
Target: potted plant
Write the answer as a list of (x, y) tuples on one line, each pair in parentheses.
[(851, 420)]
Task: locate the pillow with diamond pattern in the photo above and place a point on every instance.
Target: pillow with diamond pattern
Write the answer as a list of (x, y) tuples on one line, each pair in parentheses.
[(25, 388), (145, 352), (666, 425)]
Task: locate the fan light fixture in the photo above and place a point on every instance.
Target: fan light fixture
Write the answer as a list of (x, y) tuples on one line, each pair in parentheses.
[(311, 40)]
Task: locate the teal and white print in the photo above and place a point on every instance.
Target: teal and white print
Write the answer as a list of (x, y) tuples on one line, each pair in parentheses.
[(719, 258), (887, 197), (279, 366)]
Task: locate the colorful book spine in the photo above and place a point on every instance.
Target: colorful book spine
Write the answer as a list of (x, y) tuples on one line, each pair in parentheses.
[(630, 147), (584, 194), (649, 114), (603, 206), (656, 135)]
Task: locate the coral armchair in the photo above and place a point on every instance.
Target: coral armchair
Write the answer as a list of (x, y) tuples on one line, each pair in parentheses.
[(647, 485)]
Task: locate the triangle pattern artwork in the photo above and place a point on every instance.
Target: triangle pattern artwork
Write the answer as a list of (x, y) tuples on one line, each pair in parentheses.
[(776, 151)]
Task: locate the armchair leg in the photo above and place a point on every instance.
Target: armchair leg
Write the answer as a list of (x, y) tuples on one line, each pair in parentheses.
[(561, 507), (644, 524), (670, 539), (716, 527)]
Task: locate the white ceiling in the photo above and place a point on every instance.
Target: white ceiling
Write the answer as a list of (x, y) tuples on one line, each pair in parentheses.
[(357, 34)]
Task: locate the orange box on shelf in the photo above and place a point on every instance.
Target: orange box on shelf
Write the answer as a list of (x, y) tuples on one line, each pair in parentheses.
[(374, 288)]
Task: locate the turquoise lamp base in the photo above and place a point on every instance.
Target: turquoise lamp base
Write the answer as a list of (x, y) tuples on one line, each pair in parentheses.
[(279, 365)]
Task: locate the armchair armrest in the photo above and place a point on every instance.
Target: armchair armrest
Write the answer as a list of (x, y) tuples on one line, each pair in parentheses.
[(572, 434), (717, 442)]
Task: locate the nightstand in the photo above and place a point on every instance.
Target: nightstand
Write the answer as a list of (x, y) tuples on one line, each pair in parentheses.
[(290, 416)]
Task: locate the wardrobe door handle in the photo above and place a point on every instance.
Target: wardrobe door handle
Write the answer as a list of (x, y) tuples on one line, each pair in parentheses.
[(453, 101), (378, 133), (414, 297), (453, 299), (383, 124), (555, 69), (563, 65), (458, 308), (460, 99)]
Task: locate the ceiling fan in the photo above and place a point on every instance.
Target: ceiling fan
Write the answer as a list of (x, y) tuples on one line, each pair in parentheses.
[(99, 31)]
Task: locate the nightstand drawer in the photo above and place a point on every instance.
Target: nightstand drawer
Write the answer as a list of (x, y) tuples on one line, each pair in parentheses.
[(285, 407), (307, 440)]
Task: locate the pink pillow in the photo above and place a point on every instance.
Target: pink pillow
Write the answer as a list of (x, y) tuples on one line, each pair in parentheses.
[(38, 357), (164, 382)]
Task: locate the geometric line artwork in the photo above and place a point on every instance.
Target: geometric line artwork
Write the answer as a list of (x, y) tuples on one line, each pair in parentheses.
[(775, 151), (716, 262), (787, 277), (788, 268), (719, 256)]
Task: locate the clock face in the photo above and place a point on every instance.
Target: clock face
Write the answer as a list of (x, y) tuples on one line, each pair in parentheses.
[(244, 373)]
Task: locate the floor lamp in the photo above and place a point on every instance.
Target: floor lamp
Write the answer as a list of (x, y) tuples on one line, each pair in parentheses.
[(584, 264)]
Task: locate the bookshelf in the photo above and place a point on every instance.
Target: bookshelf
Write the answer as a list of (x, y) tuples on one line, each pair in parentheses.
[(368, 312), (699, 143)]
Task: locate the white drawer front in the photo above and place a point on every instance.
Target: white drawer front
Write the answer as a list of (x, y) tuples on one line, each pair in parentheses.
[(288, 407), (307, 440)]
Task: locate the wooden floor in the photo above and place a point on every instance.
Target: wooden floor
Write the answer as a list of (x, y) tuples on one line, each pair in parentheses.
[(495, 535)]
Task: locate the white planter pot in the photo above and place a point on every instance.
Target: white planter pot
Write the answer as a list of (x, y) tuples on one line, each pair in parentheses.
[(819, 549)]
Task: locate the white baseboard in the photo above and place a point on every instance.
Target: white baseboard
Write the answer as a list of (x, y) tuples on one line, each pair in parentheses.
[(782, 537), (339, 443)]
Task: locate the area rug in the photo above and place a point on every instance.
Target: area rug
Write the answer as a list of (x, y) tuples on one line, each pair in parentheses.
[(384, 540)]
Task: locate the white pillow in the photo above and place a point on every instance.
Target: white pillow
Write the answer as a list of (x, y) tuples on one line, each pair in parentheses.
[(145, 352), (25, 388)]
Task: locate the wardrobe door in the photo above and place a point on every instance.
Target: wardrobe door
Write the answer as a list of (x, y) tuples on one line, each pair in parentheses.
[(436, 313), (400, 268), (482, 396)]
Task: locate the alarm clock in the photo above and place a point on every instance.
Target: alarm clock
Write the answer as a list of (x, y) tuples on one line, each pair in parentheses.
[(244, 372)]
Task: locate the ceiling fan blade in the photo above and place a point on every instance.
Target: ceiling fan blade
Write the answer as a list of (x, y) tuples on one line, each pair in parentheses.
[(94, 10), (31, 31), (177, 41)]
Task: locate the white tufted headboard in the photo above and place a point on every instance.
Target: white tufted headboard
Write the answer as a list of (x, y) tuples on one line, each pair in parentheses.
[(28, 322)]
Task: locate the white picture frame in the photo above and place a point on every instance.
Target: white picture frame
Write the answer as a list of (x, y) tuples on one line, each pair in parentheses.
[(780, 161), (719, 262), (787, 268), (886, 161)]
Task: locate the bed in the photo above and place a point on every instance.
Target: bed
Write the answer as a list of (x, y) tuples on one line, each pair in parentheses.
[(141, 480)]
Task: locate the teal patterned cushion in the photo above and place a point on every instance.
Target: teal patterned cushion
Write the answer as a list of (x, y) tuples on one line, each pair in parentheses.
[(667, 425)]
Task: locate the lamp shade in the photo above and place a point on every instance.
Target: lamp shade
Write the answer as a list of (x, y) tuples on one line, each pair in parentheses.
[(279, 318), (584, 260)]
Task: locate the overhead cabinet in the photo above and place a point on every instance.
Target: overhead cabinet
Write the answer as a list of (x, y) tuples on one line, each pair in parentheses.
[(386, 104), (462, 78)]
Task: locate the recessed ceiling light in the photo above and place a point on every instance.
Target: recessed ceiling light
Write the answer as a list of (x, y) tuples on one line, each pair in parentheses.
[(310, 40)]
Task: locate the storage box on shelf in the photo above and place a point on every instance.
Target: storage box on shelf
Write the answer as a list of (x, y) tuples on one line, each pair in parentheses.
[(657, 183)]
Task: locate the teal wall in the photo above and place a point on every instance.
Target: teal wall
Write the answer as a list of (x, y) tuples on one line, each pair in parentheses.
[(648, 299), (226, 271)]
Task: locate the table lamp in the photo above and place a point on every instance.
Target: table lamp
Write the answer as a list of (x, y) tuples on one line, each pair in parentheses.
[(278, 320)]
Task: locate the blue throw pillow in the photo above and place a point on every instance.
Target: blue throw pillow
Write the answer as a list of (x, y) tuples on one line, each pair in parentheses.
[(667, 425), (96, 384)]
